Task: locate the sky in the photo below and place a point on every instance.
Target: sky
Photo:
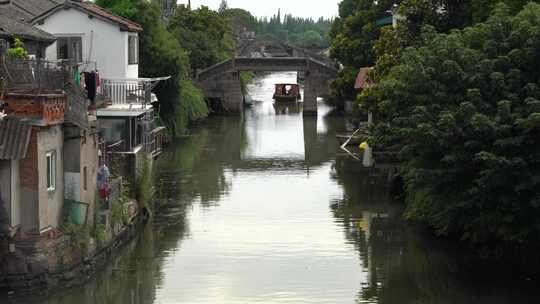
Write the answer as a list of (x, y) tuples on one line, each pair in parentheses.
[(259, 8)]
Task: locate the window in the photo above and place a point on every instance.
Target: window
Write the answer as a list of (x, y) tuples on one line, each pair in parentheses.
[(51, 170), (133, 50), (69, 48)]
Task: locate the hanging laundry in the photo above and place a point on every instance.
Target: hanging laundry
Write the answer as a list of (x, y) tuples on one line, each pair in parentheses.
[(103, 181), (98, 81), (77, 78), (83, 79), (90, 81)]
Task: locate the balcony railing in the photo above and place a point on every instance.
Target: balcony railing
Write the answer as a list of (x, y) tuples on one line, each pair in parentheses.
[(127, 91), (155, 142)]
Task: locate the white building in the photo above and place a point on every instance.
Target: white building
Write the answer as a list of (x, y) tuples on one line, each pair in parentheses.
[(93, 36)]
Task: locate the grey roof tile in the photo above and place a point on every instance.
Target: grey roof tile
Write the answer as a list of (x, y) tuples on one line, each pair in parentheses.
[(10, 27), (14, 138)]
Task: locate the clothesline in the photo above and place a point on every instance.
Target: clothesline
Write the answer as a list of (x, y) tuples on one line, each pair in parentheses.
[(86, 63)]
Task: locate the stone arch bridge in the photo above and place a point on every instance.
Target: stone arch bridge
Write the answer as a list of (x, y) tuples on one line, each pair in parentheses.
[(223, 79)]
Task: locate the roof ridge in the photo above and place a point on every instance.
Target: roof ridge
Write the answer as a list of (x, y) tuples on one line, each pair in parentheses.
[(108, 11)]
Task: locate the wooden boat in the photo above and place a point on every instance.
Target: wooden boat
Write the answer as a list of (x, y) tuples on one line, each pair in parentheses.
[(287, 92)]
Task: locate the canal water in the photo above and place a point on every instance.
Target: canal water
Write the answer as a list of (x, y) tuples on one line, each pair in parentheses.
[(267, 209)]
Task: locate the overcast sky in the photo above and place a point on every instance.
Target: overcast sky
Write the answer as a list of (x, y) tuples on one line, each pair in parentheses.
[(304, 8)]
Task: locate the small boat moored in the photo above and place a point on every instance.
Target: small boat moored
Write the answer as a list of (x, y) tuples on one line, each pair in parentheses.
[(287, 92)]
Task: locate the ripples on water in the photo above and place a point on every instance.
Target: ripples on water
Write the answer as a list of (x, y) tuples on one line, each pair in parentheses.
[(261, 210)]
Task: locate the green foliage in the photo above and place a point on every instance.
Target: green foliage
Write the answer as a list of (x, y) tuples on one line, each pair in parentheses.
[(353, 36), (245, 79), (17, 50), (240, 20), (191, 111), (79, 235), (119, 213), (297, 31), (205, 34), (464, 109), (144, 186)]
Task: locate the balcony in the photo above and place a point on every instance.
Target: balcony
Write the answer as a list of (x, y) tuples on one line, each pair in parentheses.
[(126, 93), (44, 91)]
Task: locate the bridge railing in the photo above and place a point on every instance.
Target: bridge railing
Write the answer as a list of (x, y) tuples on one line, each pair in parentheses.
[(266, 64)]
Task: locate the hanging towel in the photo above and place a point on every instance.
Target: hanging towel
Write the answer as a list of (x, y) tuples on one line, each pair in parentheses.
[(98, 81), (77, 78), (83, 79)]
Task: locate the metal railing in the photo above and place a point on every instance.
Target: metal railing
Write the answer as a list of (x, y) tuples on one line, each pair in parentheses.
[(30, 75), (127, 91), (156, 141)]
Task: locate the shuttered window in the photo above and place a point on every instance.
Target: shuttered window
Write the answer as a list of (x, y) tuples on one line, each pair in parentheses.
[(133, 49)]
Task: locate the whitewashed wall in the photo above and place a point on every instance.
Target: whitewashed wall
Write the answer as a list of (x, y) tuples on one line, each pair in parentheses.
[(101, 41)]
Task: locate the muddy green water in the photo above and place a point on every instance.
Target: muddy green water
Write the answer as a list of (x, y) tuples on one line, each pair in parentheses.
[(264, 209)]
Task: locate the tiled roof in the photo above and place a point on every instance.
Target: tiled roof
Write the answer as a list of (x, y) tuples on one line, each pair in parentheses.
[(99, 11), (28, 9), (93, 10), (10, 27), (14, 138)]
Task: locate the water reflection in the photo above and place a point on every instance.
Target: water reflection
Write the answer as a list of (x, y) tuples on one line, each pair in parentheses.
[(263, 209), (406, 265)]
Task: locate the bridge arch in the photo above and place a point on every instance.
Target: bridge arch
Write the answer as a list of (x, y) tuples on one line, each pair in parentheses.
[(223, 79)]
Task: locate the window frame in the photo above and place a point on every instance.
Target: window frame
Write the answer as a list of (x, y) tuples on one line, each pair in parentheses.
[(68, 40), (51, 165), (133, 49)]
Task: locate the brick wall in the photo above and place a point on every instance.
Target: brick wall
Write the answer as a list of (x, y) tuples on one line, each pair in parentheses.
[(48, 107)]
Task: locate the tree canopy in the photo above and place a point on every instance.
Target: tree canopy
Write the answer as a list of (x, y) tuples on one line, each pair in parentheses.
[(297, 31), (204, 34), (464, 108), (353, 36)]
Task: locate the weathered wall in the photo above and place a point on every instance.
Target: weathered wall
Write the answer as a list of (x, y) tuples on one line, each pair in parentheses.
[(29, 181), (89, 160), (310, 95), (5, 191), (15, 194), (50, 202), (80, 168)]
